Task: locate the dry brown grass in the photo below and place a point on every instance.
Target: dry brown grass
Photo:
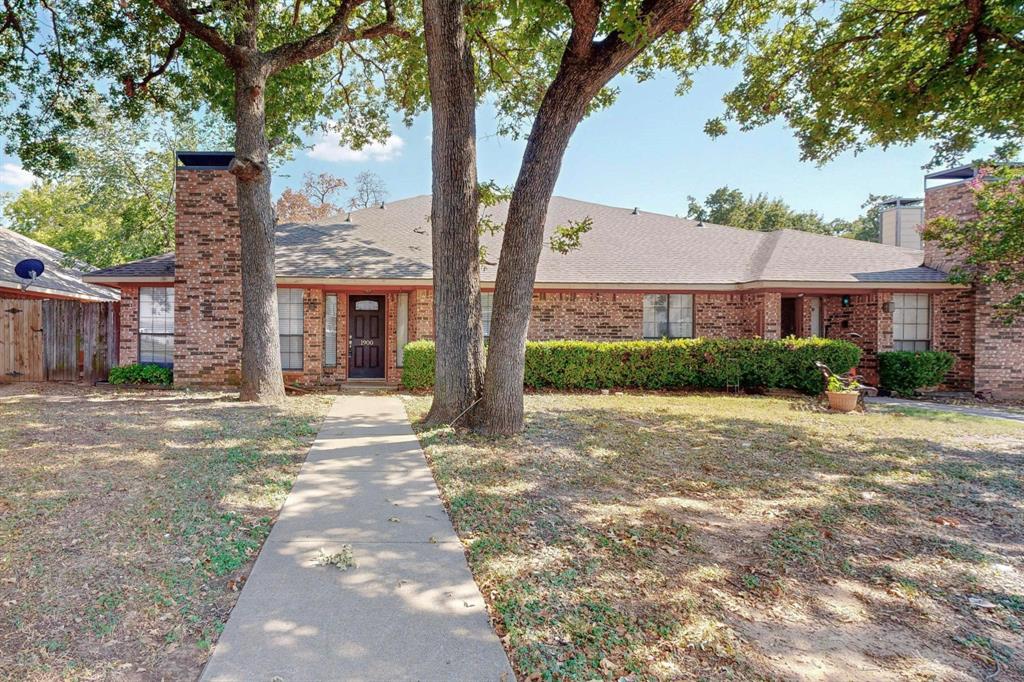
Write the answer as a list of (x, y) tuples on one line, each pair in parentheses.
[(128, 519), (713, 537)]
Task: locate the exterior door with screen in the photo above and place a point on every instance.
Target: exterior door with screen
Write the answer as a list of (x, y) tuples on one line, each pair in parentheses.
[(366, 341)]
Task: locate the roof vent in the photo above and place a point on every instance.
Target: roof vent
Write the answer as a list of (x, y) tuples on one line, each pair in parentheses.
[(348, 218), (700, 223), (382, 205), (636, 210)]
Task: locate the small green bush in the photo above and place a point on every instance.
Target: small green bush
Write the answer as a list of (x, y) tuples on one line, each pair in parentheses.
[(903, 372), (680, 363), (418, 365), (140, 374)]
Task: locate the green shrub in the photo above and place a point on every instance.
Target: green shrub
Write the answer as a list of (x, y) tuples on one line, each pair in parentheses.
[(140, 374), (903, 372), (681, 363), (418, 365)]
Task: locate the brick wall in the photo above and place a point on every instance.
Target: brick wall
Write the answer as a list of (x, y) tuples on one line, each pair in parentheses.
[(392, 372), (591, 315), (771, 312), (421, 315), (955, 201), (864, 323), (128, 346), (207, 280), (953, 332), (997, 348), (726, 316)]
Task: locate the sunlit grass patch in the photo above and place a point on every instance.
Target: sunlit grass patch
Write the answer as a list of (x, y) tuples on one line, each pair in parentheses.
[(703, 537), (128, 520)]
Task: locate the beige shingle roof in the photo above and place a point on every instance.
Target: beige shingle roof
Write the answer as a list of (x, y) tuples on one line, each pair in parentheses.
[(621, 248)]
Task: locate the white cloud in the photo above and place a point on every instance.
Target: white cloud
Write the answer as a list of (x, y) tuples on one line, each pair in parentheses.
[(329, 148), (15, 176)]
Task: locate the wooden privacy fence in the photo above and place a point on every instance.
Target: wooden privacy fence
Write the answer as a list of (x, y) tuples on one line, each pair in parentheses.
[(56, 340)]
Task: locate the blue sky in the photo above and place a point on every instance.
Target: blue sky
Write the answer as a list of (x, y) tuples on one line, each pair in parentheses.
[(648, 150)]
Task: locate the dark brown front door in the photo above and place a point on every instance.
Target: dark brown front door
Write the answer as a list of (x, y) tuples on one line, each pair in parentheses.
[(366, 341), (789, 314)]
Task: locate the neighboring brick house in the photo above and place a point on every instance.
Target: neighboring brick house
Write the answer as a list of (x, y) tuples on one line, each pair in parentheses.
[(354, 289)]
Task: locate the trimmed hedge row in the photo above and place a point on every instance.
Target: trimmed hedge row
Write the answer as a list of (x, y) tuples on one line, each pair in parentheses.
[(903, 372), (681, 363), (140, 374)]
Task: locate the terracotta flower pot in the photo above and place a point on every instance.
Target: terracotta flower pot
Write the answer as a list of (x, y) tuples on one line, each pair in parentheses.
[(842, 402)]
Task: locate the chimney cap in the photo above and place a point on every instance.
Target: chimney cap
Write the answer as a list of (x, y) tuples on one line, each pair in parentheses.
[(204, 160)]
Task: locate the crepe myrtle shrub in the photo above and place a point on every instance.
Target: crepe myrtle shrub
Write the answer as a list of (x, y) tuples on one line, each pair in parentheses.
[(680, 363), (141, 374), (904, 372)]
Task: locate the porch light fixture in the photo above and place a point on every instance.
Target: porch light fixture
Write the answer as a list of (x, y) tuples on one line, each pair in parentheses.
[(846, 300), (888, 307)]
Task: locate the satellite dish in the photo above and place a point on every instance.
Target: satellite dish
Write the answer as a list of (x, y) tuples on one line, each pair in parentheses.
[(28, 270)]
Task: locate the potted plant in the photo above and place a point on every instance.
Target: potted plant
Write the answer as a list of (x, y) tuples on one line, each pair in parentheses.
[(842, 394)]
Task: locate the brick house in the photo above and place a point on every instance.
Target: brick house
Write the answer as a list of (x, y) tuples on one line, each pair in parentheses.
[(354, 289)]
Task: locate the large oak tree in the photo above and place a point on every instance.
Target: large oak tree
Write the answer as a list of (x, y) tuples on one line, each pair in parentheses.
[(888, 73), (271, 68), (546, 64), (598, 41)]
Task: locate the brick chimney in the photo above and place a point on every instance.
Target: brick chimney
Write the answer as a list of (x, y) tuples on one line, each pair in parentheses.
[(207, 272), (954, 200), (998, 349)]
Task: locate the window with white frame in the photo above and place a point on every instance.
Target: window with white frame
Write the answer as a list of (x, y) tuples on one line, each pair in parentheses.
[(330, 330), (486, 306), (668, 316), (911, 322), (289, 320), (401, 328), (156, 325)]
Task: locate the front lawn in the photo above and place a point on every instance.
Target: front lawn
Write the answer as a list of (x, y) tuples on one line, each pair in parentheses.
[(714, 537), (128, 520)]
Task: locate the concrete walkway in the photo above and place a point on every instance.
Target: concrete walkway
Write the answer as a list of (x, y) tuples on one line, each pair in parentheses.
[(407, 610), (992, 412)]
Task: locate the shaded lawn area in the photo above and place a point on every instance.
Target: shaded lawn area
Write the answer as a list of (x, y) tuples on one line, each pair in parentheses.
[(714, 537), (128, 521)]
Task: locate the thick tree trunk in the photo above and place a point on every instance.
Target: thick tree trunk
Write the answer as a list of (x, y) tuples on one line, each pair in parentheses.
[(564, 105), (453, 215), (261, 346)]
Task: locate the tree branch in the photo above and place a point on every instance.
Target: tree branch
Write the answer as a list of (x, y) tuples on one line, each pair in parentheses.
[(135, 87), (336, 31), (585, 17), (186, 19), (13, 23)]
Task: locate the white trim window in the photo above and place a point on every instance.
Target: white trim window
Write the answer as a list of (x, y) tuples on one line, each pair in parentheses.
[(486, 307), (156, 325), (289, 321), (330, 330), (668, 316), (401, 328), (911, 322)]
